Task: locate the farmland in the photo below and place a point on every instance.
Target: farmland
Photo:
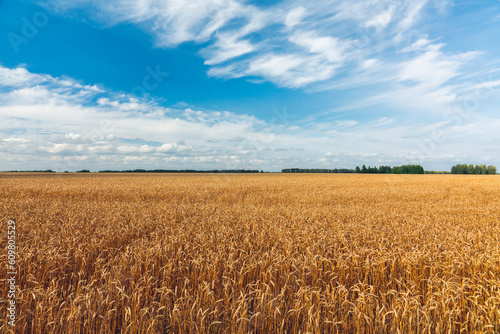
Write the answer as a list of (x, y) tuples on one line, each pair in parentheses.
[(256, 253)]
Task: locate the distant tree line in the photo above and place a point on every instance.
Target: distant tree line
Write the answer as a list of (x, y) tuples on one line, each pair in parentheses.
[(183, 171), (31, 171), (405, 169), (471, 169), (436, 172), (374, 170), (316, 170), (408, 169)]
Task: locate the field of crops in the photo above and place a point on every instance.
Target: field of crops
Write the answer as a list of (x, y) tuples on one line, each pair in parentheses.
[(259, 253)]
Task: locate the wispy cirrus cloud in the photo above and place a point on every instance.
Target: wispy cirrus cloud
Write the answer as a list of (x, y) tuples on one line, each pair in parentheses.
[(292, 44), (380, 47)]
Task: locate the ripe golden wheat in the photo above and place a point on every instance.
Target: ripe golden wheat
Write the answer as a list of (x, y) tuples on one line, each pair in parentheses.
[(263, 253)]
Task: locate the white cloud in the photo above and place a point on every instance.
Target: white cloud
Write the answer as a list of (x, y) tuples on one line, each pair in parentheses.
[(431, 70), (291, 70), (172, 21), (127, 149), (486, 85), (370, 63), (331, 48), (19, 77), (310, 34), (227, 47), (16, 140), (412, 14), (167, 148), (430, 67), (146, 149), (295, 16), (421, 44), (275, 66), (381, 20), (72, 136)]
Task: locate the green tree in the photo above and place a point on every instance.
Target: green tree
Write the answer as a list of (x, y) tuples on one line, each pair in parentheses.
[(481, 169), (470, 169), (477, 170), (461, 169), (408, 169), (384, 169)]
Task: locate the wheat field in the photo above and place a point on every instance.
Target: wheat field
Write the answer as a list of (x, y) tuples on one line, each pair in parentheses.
[(259, 253)]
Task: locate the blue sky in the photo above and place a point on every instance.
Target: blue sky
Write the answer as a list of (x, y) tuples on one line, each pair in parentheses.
[(248, 84)]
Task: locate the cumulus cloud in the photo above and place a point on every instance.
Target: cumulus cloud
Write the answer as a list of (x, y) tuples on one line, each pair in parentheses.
[(69, 130)]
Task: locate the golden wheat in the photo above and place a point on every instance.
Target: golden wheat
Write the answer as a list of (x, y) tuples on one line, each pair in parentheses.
[(263, 253)]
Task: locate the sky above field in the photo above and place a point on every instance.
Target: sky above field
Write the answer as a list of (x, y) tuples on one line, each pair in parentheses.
[(230, 84)]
